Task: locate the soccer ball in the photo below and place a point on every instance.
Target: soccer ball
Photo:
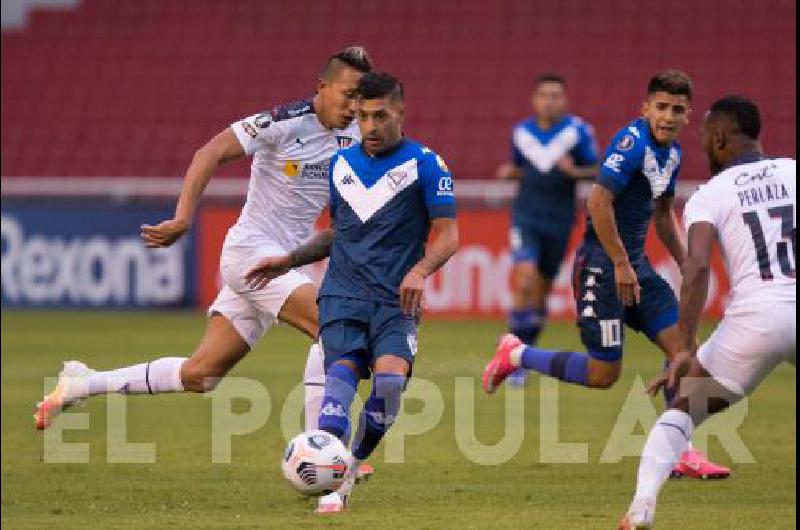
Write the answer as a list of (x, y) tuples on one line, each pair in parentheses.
[(315, 462)]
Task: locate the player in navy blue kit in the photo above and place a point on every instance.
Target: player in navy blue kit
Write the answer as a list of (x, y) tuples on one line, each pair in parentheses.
[(387, 194), (614, 282), (550, 152)]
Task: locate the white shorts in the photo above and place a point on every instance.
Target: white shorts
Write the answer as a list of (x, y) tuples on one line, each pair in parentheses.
[(252, 312), (745, 348)]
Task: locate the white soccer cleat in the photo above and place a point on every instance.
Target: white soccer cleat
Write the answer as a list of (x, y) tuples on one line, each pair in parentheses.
[(337, 501), (331, 503), (640, 515), (65, 394)]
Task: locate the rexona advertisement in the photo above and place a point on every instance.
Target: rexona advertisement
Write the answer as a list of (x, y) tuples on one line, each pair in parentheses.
[(476, 281), (79, 255)]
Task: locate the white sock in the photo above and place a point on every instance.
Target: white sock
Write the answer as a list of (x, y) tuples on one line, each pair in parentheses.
[(314, 380), (155, 377), (664, 447)]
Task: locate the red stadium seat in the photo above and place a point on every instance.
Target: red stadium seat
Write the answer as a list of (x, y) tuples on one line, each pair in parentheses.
[(133, 88)]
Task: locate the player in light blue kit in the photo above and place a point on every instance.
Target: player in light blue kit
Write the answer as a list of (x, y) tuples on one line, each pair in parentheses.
[(387, 193), (614, 282)]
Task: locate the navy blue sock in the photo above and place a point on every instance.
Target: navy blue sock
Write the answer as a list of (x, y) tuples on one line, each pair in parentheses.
[(379, 413), (669, 393), (341, 383), (570, 367), (527, 323)]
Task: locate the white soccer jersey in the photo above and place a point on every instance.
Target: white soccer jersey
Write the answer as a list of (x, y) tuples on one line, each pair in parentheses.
[(753, 207), (289, 176)]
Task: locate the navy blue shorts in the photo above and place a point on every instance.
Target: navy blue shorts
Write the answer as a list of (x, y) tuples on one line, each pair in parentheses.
[(601, 314), (362, 330), (545, 249)]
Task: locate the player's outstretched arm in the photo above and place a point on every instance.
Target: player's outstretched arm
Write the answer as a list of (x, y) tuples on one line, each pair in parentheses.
[(694, 291), (316, 249), (601, 209), (221, 149), (669, 229), (444, 245), (269, 268)]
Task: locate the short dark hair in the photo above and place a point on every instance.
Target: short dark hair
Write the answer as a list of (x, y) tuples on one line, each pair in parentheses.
[(742, 111), (550, 77), (376, 85), (672, 82), (355, 57)]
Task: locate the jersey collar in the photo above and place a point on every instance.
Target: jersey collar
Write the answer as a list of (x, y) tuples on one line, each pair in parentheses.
[(553, 129), (747, 158)]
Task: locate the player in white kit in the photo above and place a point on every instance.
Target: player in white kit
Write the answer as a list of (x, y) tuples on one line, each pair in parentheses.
[(749, 207), (292, 147)]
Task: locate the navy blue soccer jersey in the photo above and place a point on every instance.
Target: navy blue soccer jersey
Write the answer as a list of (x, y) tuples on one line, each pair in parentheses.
[(381, 210), (546, 196), (637, 171)]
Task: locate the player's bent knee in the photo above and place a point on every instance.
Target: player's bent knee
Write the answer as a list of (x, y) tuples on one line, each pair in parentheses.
[(524, 276), (308, 322), (308, 327), (311, 329), (602, 381), (300, 310), (200, 377), (602, 375), (701, 396), (392, 364)]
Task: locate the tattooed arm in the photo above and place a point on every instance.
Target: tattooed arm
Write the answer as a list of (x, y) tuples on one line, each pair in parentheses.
[(316, 249)]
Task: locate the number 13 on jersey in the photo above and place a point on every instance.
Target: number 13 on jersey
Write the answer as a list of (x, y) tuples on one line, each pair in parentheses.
[(785, 256)]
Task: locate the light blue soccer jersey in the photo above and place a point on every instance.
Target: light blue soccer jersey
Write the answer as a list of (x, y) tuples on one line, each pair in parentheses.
[(381, 208), (637, 171)]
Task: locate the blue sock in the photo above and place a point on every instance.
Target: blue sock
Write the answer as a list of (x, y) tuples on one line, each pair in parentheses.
[(379, 413), (341, 383), (570, 367), (526, 323), (669, 393)]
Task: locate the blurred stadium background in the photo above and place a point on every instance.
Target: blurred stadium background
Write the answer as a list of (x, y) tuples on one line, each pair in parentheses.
[(105, 101)]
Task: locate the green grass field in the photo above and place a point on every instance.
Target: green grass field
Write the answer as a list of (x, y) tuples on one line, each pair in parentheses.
[(436, 487)]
